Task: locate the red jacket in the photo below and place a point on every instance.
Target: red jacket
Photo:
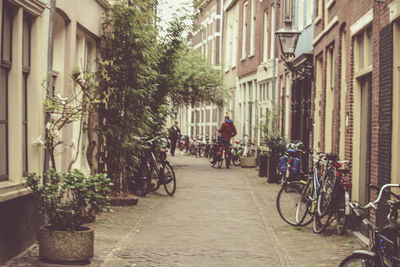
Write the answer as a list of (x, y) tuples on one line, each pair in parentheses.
[(227, 130)]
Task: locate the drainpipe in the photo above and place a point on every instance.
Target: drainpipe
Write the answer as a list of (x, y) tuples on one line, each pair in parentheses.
[(49, 78), (274, 57), (221, 31)]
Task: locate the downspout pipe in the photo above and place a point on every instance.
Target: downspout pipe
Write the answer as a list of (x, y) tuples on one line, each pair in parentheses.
[(274, 56), (49, 79), (221, 31)]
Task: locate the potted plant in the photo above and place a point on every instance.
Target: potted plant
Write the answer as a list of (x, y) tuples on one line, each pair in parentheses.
[(68, 201), (273, 139)]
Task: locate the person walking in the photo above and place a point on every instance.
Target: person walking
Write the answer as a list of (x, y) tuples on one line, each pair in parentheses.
[(227, 130), (174, 134)]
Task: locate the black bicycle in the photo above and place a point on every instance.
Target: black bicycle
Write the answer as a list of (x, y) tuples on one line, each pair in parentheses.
[(384, 251), (161, 172)]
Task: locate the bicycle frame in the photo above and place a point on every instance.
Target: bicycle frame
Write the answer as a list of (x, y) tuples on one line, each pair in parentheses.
[(377, 250)]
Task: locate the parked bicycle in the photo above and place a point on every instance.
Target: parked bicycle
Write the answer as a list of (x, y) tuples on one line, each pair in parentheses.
[(161, 172), (384, 249), (297, 199), (221, 152), (236, 153), (289, 162)]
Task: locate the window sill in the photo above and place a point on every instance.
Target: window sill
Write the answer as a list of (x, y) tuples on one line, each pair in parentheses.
[(251, 55), (363, 72), (10, 191), (242, 59), (317, 20), (233, 67), (330, 4)]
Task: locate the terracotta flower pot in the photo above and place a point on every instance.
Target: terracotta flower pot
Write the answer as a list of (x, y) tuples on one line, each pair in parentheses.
[(66, 246)]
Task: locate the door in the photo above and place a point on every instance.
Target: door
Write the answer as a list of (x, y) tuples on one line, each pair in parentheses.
[(365, 136)]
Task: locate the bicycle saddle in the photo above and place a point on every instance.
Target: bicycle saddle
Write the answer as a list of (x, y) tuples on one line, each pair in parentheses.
[(331, 156)]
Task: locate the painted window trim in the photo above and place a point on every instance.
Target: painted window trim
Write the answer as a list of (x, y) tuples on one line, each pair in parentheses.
[(330, 4), (363, 72), (394, 10), (331, 24), (35, 7), (12, 190), (362, 23), (318, 20)]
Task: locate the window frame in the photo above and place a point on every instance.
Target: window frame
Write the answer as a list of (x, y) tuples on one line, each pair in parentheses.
[(6, 65), (25, 75), (244, 31)]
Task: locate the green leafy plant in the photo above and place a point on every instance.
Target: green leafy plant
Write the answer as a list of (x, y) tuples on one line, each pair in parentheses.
[(146, 75), (70, 199), (271, 132)]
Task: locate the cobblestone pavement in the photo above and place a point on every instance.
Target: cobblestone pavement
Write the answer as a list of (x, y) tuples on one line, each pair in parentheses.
[(218, 217)]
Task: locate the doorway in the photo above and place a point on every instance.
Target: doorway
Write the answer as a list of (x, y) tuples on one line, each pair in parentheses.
[(365, 137)]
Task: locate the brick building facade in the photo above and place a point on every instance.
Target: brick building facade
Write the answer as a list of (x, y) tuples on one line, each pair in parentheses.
[(355, 110), (203, 120)]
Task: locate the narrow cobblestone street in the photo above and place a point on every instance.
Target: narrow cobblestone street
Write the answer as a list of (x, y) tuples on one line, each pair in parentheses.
[(218, 217)]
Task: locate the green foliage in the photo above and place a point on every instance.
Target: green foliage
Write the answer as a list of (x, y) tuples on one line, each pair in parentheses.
[(70, 199), (271, 132), (185, 75), (140, 74), (130, 107), (198, 80)]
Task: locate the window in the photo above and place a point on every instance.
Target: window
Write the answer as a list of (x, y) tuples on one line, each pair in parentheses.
[(250, 86), (26, 46), (244, 30), (6, 44), (287, 9), (330, 96), (308, 12), (330, 69), (252, 26), (300, 16), (363, 52), (266, 36)]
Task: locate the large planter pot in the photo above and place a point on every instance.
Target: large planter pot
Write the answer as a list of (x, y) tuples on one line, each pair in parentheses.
[(250, 162), (273, 161), (66, 246), (263, 165)]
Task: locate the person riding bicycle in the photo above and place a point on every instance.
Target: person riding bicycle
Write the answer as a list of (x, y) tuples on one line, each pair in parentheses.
[(227, 130)]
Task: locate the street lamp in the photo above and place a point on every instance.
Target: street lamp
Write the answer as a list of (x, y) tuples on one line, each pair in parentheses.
[(288, 38)]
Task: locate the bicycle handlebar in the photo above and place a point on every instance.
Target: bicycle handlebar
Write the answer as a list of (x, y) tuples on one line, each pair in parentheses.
[(373, 204)]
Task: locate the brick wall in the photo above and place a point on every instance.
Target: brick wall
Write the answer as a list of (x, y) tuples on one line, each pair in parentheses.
[(250, 64), (385, 109)]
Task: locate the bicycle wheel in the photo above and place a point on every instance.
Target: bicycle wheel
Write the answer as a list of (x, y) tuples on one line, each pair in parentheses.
[(287, 202), (169, 179), (326, 193), (219, 163), (360, 259), (320, 223), (143, 181), (341, 221), (236, 160), (157, 183)]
